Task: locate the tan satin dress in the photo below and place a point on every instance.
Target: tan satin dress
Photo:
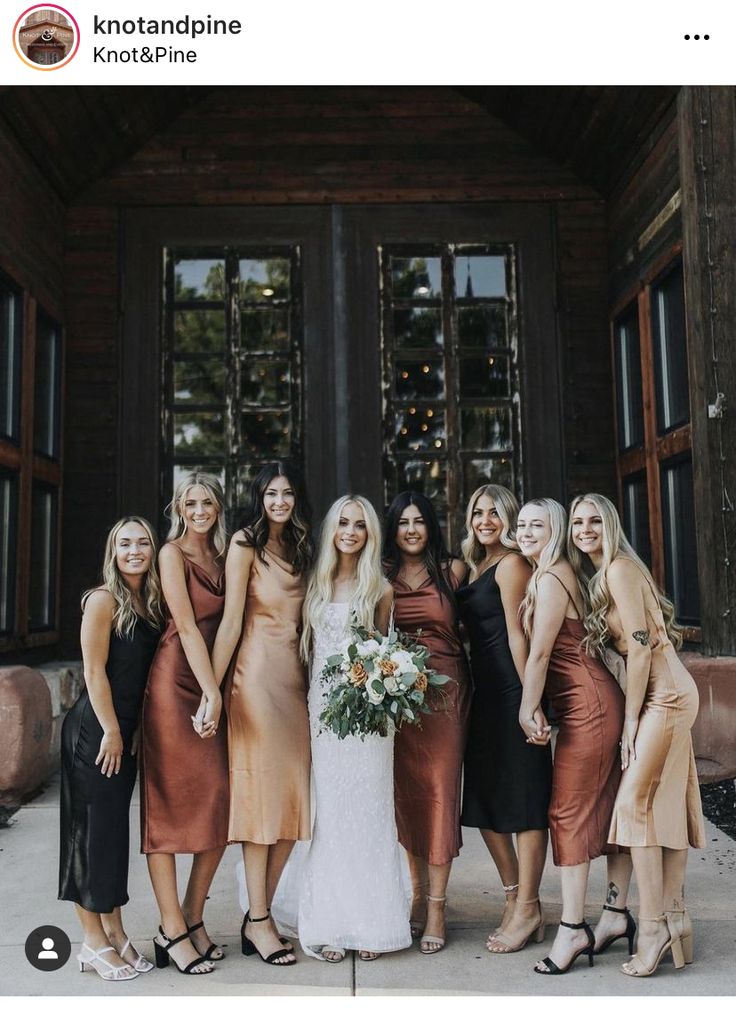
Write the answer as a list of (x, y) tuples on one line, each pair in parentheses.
[(268, 725), (184, 781), (658, 801), (428, 761)]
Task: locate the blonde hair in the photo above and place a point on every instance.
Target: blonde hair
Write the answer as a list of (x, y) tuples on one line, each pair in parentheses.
[(550, 555), (507, 507), (124, 616), (370, 583), (175, 509), (614, 545)]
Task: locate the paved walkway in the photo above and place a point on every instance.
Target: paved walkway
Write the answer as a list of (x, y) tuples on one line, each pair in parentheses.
[(28, 885)]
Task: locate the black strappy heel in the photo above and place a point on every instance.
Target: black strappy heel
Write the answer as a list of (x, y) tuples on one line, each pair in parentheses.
[(629, 933), (553, 969), (163, 957), (248, 948), (212, 947)]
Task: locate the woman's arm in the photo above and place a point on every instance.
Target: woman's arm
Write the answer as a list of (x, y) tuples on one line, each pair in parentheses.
[(512, 577), (383, 609), (626, 585), (548, 617), (95, 640), (237, 574), (174, 587)]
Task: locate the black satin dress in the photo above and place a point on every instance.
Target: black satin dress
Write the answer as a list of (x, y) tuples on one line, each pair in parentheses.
[(507, 782), (93, 862)]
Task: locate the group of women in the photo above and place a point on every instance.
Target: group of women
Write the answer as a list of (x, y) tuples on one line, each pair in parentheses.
[(219, 652)]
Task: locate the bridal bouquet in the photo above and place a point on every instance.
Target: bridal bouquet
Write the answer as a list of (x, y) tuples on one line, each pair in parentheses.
[(377, 682)]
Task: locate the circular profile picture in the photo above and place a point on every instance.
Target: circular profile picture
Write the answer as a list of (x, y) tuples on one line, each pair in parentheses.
[(48, 948), (46, 37)]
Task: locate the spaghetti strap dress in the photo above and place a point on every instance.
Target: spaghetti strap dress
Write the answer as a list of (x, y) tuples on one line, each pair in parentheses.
[(268, 724), (507, 781), (95, 838), (658, 802), (588, 706), (428, 760), (184, 779)]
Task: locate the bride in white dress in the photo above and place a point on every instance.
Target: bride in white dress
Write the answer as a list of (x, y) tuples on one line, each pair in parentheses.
[(349, 886)]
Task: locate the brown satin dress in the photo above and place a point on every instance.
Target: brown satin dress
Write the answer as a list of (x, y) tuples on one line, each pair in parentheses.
[(428, 761), (658, 801), (588, 705), (184, 783), (268, 725)]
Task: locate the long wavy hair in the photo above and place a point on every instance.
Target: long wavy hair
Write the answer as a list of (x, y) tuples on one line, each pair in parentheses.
[(124, 616), (298, 529), (370, 580), (614, 544), (175, 508), (552, 552), (437, 559), (507, 507)]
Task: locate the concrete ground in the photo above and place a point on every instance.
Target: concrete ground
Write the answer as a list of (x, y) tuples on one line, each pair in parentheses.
[(28, 888)]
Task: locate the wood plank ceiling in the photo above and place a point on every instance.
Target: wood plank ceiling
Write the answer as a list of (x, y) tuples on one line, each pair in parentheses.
[(77, 135)]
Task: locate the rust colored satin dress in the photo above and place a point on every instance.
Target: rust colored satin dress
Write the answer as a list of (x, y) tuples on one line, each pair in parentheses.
[(184, 782), (658, 802), (588, 705), (268, 725), (428, 761)]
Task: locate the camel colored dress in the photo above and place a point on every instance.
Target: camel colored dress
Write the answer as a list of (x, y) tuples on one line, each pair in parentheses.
[(588, 706), (428, 761), (658, 802), (184, 785), (268, 725)]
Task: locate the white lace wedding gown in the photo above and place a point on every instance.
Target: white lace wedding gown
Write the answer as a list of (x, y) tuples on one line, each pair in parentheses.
[(349, 887)]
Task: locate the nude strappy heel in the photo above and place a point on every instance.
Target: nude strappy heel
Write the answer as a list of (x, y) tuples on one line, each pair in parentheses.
[(431, 939)]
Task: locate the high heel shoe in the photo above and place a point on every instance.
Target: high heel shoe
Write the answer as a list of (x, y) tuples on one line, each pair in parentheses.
[(672, 944), (511, 892), (508, 946), (680, 919), (141, 964), (431, 939), (162, 956), (284, 940), (553, 969), (90, 959), (211, 948), (249, 948), (629, 933)]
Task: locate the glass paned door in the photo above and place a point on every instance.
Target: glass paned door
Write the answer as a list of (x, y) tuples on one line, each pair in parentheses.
[(450, 390)]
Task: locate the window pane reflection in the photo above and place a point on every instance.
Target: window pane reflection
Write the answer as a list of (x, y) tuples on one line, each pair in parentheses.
[(199, 433), (487, 429), (420, 430), (198, 331), (420, 379), (11, 333), (486, 377), (267, 434), (8, 536), (42, 605), (636, 515), (480, 471), (265, 382), (670, 352), (427, 476), (629, 404), (265, 330), (47, 388), (199, 279), (482, 327), (681, 562), (199, 382), (416, 277), (417, 328), (266, 279), (480, 276)]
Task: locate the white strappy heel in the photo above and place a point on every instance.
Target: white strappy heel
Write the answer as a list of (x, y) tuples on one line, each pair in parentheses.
[(90, 959), (141, 964)]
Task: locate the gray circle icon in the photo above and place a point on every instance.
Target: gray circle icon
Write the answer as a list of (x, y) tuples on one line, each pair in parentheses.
[(48, 948)]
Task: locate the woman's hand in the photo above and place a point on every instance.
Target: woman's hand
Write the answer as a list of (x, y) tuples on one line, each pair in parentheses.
[(211, 716), (198, 716), (628, 738), (536, 727), (111, 753)]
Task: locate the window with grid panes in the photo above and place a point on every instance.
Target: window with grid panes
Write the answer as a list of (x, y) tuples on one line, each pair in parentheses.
[(450, 374), (232, 364), (654, 439)]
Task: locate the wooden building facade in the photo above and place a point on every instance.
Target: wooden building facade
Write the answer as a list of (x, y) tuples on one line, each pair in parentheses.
[(424, 287)]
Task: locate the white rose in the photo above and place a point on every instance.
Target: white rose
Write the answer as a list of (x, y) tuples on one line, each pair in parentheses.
[(375, 691), (393, 685), (367, 648), (404, 661)]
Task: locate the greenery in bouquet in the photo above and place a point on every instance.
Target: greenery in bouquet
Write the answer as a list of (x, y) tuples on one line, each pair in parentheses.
[(378, 682)]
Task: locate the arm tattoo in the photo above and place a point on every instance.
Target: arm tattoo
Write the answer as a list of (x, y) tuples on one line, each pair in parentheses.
[(641, 636)]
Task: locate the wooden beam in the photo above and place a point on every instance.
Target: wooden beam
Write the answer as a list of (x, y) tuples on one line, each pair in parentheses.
[(707, 143)]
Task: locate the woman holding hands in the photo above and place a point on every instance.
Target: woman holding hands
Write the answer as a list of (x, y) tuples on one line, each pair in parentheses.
[(184, 799), (657, 812)]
